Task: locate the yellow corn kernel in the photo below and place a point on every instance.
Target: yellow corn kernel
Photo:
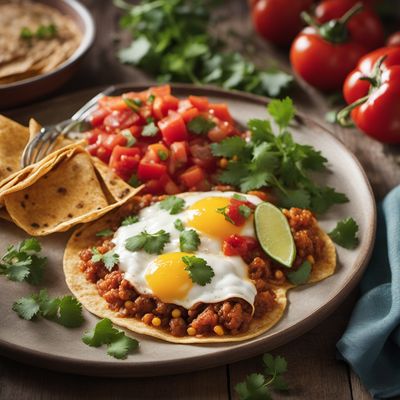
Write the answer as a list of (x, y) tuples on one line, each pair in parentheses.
[(191, 331), (219, 330), (176, 313), (156, 321), (278, 274), (310, 259)]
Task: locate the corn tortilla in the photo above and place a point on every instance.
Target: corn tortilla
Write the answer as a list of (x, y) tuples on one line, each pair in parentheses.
[(87, 294)]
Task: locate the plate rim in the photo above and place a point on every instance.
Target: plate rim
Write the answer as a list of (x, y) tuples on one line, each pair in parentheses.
[(116, 368)]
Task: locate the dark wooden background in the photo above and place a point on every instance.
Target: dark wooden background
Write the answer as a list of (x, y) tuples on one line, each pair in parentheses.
[(314, 372)]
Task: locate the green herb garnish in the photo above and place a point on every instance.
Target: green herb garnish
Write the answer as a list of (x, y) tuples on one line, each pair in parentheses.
[(130, 139), (199, 271), (178, 224), (23, 263), (200, 125), (105, 233), (173, 204), (151, 129), (301, 275), (66, 310), (109, 259), (152, 243), (163, 155), (189, 240), (134, 181), (118, 344), (345, 233), (131, 219)]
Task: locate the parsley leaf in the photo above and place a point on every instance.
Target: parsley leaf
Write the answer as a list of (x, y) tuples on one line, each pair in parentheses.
[(301, 275), (200, 125), (230, 147), (345, 233), (151, 129), (105, 233), (22, 262), (173, 204), (118, 344), (282, 111), (109, 259), (152, 243), (178, 224), (257, 386), (189, 240), (199, 271), (131, 219), (66, 310)]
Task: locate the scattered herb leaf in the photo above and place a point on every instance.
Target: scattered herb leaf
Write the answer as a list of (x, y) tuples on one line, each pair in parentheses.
[(200, 125), (345, 233), (301, 275), (151, 129), (152, 243), (172, 204), (199, 271), (105, 233), (178, 224), (189, 240), (131, 219), (109, 259)]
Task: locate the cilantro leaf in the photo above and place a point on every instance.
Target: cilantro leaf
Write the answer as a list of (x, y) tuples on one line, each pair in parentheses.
[(109, 259), (200, 125), (105, 233), (345, 233), (172, 204), (132, 105), (301, 275), (152, 243), (22, 262), (253, 388), (163, 155), (189, 240), (178, 224), (118, 344), (121, 345), (26, 308), (131, 219), (256, 180), (229, 147), (282, 111), (70, 312), (151, 129), (199, 271), (322, 198), (134, 181), (127, 134), (245, 211), (223, 211), (66, 311)]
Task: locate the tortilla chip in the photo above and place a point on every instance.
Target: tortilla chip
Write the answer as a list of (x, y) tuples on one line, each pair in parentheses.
[(34, 128), (86, 292), (13, 139), (4, 215)]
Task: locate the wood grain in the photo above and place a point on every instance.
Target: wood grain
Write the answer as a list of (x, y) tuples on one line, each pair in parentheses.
[(314, 372)]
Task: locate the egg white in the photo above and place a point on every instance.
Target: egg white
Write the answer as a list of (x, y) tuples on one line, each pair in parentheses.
[(231, 272)]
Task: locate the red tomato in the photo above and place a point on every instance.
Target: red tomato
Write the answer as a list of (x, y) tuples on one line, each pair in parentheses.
[(170, 187), (110, 141), (201, 103), (97, 116), (393, 39), (278, 21), (365, 27), (220, 110), (124, 161), (375, 104), (236, 245), (102, 153), (162, 105), (153, 186), (121, 119), (220, 132), (112, 103), (157, 152), (93, 135), (150, 170), (192, 176), (189, 114), (173, 128)]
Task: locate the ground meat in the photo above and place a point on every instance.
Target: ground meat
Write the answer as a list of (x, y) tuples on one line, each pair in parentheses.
[(177, 327), (263, 303), (205, 321)]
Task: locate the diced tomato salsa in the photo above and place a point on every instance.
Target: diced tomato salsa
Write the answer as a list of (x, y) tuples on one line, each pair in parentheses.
[(147, 137)]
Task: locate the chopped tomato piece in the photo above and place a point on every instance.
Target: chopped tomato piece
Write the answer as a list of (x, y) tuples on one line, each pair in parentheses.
[(173, 128), (97, 116), (192, 176), (221, 131), (112, 103), (124, 160), (233, 211), (121, 119), (236, 245), (163, 90), (184, 105), (153, 186), (93, 135), (162, 105), (148, 170), (170, 187), (103, 153), (199, 102), (157, 152), (114, 140), (189, 114), (220, 110)]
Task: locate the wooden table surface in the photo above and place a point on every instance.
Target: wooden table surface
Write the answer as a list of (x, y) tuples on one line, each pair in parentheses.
[(313, 370)]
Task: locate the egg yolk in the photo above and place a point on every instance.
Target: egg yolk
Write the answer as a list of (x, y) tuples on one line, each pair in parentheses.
[(208, 220), (167, 277)]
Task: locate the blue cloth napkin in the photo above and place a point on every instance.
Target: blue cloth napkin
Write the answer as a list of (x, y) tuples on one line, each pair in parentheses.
[(371, 342)]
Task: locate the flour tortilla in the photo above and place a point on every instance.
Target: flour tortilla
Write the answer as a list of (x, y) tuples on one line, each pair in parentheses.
[(87, 294)]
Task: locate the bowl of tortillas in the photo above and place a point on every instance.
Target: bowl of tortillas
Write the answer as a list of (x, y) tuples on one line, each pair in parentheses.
[(41, 45)]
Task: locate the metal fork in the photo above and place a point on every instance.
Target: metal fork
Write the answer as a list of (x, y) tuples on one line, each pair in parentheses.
[(45, 141)]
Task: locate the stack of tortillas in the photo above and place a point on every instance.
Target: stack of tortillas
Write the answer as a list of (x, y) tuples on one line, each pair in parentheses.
[(67, 187)]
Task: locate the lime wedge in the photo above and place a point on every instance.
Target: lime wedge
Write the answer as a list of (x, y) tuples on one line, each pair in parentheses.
[(273, 233)]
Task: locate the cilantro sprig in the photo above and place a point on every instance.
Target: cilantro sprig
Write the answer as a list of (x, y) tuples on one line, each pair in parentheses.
[(105, 233), (345, 233), (23, 263), (199, 271), (200, 125), (257, 386), (118, 344), (189, 240), (109, 259), (172, 204), (271, 158), (66, 310), (301, 275), (172, 41), (129, 220), (152, 243)]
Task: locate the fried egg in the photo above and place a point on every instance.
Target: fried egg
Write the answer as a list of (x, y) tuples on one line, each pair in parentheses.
[(164, 275)]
